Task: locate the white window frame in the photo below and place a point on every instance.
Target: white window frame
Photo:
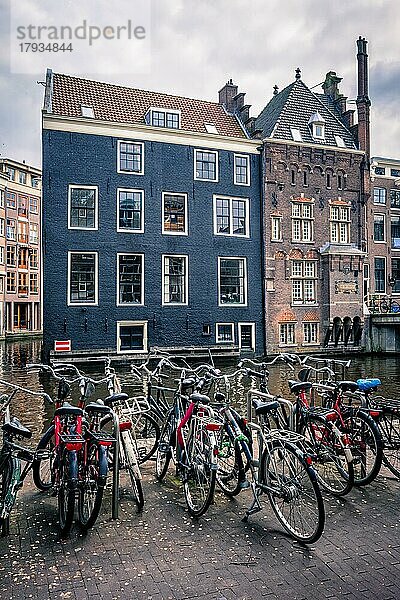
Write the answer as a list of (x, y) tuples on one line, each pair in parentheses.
[(219, 341), (174, 111), (245, 282), (253, 334), (123, 230), (247, 216), (129, 324), (381, 189), (141, 172), (2, 253), (337, 224), (279, 221), (96, 278), (384, 228), (130, 304), (96, 206), (186, 257), (196, 150), (164, 232), (314, 131), (385, 275), (312, 343), (285, 324), (2, 226), (247, 157)]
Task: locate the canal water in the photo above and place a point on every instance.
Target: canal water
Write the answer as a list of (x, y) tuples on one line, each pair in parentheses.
[(36, 414)]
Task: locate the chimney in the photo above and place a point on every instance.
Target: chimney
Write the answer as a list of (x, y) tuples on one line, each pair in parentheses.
[(227, 95), (363, 102)]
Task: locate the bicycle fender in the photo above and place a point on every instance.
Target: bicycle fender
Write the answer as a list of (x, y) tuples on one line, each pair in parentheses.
[(73, 468)]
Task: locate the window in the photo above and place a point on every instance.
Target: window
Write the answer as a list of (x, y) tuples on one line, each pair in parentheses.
[(339, 141), (33, 233), (33, 258), (379, 228), (130, 205), (174, 213), (22, 178), (231, 216), (395, 232), (2, 227), (310, 333), (34, 205), (1, 285), (293, 177), (82, 207), (11, 173), (328, 181), (11, 282), (130, 279), (11, 229), (87, 111), (303, 282), (340, 224), (11, 256), (210, 128), (287, 335), (276, 229), (379, 195), (242, 170), (395, 198), (175, 279), (82, 278), (1, 255), (11, 200), (206, 165), (33, 283), (340, 181), (132, 336), (317, 126), (23, 203), (159, 117), (296, 134), (302, 222), (380, 170), (130, 157), (395, 172), (206, 329), (2, 196), (380, 275), (396, 274), (224, 333), (232, 281), (23, 284), (318, 131), (35, 182), (23, 232), (23, 258), (305, 178)]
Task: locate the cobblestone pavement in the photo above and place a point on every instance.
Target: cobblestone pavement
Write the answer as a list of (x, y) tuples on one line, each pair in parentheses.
[(163, 554)]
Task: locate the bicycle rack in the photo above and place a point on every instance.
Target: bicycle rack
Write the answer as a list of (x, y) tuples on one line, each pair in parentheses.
[(115, 483)]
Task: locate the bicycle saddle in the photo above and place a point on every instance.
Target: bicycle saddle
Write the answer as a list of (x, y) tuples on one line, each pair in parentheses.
[(68, 409), (96, 407), (347, 386), (15, 427), (186, 383), (263, 408), (110, 400), (201, 398), (298, 386), (368, 384)]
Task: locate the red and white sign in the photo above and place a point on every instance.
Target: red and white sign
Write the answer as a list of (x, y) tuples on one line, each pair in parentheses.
[(62, 345)]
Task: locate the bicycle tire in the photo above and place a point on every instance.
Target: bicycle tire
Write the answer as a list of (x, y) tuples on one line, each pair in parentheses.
[(163, 452), (335, 473), (230, 463), (366, 446), (91, 489), (66, 493), (389, 424), (147, 435), (132, 466), (5, 479), (199, 476), (297, 503), (42, 470)]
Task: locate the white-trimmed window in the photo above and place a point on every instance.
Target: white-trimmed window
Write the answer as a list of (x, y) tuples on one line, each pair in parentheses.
[(379, 195), (175, 279), (82, 207), (340, 224), (2, 199), (310, 333), (130, 209), (130, 157), (34, 205), (162, 117), (11, 231), (231, 216), (224, 333), (174, 214), (242, 169), (1, 255), (287, 334), (232, 281), (11, 256), (206, 165), (303, 282), (379, 228), (33, 283), (2, 227), (33, 258), (131, 336), (82, 278), (33, 233), (130, 279), (276, 229), (302, 221), (11, 282), (380, 274)]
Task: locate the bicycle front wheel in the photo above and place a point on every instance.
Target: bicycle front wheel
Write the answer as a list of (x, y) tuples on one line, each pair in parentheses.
[(6, 471), (42, 469), (132, 465), (389, 424), (94, 475), (293, 491), (366, 446), (199, 472), (231, 470), (164, 453), (66, 492), (147, 434)]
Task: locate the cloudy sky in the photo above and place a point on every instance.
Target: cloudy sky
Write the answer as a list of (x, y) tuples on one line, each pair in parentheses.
[(196, 45)]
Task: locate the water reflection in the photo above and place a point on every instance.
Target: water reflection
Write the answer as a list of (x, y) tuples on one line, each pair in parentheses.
[(36, 415)]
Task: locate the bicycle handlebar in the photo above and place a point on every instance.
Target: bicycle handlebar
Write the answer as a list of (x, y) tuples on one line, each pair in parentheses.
[(64, 367), (20, 388)]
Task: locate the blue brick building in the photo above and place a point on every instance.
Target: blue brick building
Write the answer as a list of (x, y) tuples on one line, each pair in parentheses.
[(152, 221)]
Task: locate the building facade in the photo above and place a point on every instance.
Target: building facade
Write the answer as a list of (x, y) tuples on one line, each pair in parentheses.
[(20, 248), (152, 222)]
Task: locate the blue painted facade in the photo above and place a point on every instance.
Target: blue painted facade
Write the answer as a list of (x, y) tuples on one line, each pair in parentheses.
[(85, 159)]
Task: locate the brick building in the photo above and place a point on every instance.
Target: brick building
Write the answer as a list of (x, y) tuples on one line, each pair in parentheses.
[(20, 248)]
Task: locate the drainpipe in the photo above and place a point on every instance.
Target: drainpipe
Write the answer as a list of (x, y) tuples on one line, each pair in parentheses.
[(261, 169)]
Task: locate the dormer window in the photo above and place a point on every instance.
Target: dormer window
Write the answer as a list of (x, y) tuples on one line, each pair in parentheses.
[(161, 117), (317, 126), (87, 111)]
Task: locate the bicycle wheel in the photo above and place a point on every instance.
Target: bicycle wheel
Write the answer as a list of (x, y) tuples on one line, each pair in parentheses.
[(132, 465), (389, 424), (366, 446), (335, 473), (296, 498), (230, 473), (43, 469), (93, 480), (66, 493), (164, 454), (147, 435), (199, 474), (5, 480)]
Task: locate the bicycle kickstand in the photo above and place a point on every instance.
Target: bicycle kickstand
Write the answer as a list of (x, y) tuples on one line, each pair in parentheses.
[(255, 505)]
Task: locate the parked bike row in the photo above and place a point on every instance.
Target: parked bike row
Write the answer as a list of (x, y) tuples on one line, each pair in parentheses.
[(328, 435)]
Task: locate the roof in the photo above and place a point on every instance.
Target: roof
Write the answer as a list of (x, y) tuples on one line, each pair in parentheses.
[(119, 104), (293, 107)]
